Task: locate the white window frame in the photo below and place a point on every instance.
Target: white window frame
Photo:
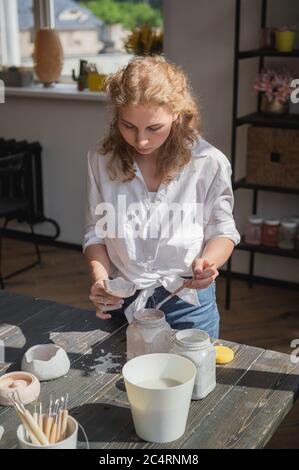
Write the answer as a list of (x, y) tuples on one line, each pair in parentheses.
[(44, 16), (9, 24)]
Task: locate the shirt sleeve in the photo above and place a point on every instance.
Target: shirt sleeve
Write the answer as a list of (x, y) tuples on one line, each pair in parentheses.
[(218, 207), (92, 199)]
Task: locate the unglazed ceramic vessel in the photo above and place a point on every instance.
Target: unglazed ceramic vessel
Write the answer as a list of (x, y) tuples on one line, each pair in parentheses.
[(46, 361), (26, 384), (120, 287), (70, 442)]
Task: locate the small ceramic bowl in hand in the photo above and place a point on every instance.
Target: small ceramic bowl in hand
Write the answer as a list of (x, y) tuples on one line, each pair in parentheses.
[(119, 287), (70, 442)]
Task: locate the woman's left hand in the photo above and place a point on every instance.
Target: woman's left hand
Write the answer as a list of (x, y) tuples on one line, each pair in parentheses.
[(204, 274)]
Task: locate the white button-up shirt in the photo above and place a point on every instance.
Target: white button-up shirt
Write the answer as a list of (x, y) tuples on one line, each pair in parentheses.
[(164, 252)]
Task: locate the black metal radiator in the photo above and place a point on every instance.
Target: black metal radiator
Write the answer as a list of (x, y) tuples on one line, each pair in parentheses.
[(31, 186)]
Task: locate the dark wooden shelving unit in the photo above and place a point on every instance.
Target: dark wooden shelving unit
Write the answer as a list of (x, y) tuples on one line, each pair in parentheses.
[(289, 121), (266, 53), (242, 183), (267, 250)]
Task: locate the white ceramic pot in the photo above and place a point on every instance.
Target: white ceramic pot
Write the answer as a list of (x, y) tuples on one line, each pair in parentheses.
[(46, 361), (159, 389), (70, 442)]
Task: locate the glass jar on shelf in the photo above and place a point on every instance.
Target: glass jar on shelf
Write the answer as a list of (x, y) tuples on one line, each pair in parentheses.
[(270, 232), (287, 235), (253, 230), (148, 333), (295, 218)]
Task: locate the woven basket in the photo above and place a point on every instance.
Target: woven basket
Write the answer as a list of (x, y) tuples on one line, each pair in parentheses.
[(273, 157)]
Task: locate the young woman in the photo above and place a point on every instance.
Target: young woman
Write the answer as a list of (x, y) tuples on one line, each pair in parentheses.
[(159, 200)]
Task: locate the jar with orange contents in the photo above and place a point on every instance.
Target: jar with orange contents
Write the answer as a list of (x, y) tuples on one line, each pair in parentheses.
[(270, 232)]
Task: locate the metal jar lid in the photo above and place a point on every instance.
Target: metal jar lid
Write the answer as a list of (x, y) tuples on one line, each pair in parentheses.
[(254, 219)]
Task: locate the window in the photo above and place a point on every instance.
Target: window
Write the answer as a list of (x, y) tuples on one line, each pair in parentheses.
[(26, 31), (16, 26), (91, 30), (96, 30)]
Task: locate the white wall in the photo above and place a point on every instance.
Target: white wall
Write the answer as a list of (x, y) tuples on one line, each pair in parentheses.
[(199, 36), (66, 129)]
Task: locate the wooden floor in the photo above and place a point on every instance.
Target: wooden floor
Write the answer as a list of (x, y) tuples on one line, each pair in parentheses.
[(263, 316)]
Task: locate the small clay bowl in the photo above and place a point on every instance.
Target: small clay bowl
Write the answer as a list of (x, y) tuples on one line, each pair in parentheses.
[(120, 287), (26, 384)]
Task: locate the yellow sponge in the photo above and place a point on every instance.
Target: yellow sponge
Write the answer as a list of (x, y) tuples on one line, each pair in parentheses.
[(224, 354)]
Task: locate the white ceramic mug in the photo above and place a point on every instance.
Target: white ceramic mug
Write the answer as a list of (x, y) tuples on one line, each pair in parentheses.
[(70, 442), (159, 388)]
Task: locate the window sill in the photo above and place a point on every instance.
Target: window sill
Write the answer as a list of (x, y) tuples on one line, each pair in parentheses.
[(59, 91)]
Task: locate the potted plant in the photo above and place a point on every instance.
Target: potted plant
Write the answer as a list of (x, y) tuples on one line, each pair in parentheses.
[(144, 41), (276, 89)]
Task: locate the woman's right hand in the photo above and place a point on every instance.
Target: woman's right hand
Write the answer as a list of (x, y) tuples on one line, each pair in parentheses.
[(99, 297)]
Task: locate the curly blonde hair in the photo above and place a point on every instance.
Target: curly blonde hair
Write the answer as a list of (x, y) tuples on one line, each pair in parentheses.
[(156, 81)]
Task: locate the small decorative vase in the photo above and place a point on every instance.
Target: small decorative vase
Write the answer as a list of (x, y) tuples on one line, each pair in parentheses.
[(274, 107), (48, 56)]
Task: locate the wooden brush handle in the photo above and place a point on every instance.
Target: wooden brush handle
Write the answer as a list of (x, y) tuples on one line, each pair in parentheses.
[(41, 421), (28, 429), (53, 433), (64, 424), (170, 296), (59, 426), (48, 425), (36, 429)]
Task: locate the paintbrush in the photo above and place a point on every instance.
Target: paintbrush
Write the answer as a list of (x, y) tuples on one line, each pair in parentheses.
[(31, 426), (170, 296), (48, 421), (64, 419)]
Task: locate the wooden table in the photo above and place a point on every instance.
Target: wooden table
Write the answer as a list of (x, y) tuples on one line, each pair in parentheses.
[(252, 396)]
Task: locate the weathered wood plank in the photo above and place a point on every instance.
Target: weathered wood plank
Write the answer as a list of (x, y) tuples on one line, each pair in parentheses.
[(227, 376), (252, 396), (103, 410), (250, 413), (14, 309), (107, 418), (89, 373), (74, 329), (78, 331)]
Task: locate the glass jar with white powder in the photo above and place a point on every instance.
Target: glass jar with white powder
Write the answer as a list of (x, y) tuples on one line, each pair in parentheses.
[(148, 333), (196, 346)]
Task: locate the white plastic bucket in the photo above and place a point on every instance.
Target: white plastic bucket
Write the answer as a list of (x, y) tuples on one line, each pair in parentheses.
[(159, 389), (70, 442)]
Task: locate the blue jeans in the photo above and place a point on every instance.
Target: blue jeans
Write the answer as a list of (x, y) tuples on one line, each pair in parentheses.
[(181, 315)]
